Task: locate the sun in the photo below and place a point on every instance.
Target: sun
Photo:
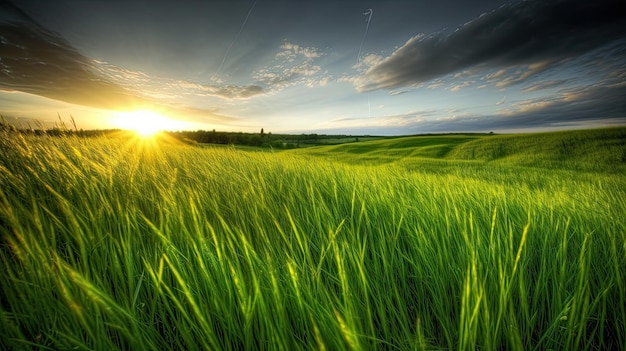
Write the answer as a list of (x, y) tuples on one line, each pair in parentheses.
[(145, 123)]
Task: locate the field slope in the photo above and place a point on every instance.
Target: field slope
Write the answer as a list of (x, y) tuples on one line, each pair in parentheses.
[(599, 150), (435, 242)]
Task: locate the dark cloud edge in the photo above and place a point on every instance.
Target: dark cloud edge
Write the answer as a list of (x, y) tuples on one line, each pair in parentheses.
[(522, 33), (41, 62), (595, 106)]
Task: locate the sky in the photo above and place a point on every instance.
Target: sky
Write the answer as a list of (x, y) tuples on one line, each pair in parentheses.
[(379, 67)]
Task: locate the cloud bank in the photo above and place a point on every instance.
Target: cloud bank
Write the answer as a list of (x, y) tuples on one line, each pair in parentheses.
[(591, 106), (37, 61), (534, 33)]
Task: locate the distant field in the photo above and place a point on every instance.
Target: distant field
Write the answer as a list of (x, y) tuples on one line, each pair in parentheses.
[(461, 242), (329, 140), (593, 150)]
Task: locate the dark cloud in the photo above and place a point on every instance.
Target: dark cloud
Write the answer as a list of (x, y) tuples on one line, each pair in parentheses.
[(589, 106), (37, 61), (40, 63), (572, 107), (12, 13), (532, 32)]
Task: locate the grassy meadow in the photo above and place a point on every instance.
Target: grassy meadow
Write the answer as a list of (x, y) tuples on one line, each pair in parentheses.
[(448, 242)]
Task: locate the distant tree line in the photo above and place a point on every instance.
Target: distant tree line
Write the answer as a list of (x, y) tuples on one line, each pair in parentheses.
[(215, 137), (59, 130), (262, 139)]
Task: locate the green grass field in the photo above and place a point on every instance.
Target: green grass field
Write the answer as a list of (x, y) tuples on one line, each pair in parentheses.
[(463, 242)]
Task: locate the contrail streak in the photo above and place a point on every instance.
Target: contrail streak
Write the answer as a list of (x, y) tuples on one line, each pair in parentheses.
[(369, 13), (234, 40)]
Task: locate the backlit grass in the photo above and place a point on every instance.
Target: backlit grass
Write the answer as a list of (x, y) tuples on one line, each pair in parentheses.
[(115, 244)]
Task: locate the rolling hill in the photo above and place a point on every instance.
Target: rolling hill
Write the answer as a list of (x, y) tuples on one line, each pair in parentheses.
[(581, 150)]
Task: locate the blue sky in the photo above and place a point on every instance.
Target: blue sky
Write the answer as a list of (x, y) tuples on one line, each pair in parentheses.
[(423, 67)]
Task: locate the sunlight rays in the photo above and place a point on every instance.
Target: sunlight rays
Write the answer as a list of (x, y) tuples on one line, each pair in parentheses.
[(146, 123)]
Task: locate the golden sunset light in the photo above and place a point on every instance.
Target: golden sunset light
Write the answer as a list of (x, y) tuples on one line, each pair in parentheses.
[(312, 175), (146, 123), (385, 68)]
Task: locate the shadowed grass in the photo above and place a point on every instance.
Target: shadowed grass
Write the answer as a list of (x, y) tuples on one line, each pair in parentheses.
[(117, 244)]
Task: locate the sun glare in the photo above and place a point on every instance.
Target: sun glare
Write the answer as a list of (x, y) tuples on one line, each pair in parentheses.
[(146, 123)]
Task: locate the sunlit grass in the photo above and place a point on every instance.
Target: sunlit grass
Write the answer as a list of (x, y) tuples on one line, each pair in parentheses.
[(113, 244)]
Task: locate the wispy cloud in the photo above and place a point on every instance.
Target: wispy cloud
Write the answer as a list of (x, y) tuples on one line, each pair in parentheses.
[(457, 87), (522, 73), (532, 34), (408, 119), (585, 106), (367, 62), (221, 91), (170, 89), (290, 52), (545, 85), (577, 106), (293, 65)]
